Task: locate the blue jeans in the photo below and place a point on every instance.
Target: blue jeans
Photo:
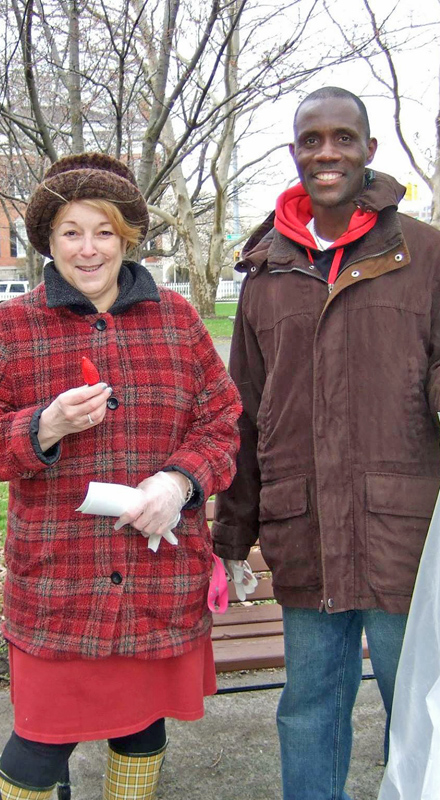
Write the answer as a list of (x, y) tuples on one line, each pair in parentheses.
[(323, 672)]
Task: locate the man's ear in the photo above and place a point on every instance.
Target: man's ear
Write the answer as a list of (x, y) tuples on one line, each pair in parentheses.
[(372, 147), (292, 150)]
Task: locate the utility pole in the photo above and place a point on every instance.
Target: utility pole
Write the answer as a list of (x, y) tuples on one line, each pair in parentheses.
[(236, 200)]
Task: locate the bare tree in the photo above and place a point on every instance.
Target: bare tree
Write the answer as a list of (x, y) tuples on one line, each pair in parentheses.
[(170, 85), (383, 37), (214, 92)]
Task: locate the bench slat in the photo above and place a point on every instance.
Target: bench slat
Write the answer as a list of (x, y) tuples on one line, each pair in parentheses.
[(247, 631), (238, 615), (235, 654), (257, 561)]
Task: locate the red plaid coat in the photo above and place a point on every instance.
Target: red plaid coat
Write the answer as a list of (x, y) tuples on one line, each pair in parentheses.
[(177, 407)]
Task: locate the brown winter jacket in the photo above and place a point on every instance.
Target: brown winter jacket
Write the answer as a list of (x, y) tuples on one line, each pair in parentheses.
[(339, 464)]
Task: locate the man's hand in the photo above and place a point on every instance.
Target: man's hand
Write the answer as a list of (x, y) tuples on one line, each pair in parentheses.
[(241, 574)]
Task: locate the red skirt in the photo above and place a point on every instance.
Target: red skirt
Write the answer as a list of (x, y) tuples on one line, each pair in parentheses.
[(76, 701)]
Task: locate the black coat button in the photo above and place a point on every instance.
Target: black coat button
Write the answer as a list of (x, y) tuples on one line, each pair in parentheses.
[(116, 577), (100, 324), (112, 403)]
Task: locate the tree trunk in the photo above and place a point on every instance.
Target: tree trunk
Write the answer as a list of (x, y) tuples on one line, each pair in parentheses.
[(160, 63), (203, 293), (203, 286), (34, 266), (221, 162), (74, 80)]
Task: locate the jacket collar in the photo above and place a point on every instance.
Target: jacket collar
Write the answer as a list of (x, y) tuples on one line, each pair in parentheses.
[(381, 193), (135, 284)]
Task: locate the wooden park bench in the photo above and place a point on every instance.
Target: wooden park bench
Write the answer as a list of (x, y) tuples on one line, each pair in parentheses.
[(250, 635)]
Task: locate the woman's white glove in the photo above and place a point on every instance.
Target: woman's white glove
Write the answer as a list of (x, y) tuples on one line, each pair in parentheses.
[(242, 576), (159, 506)]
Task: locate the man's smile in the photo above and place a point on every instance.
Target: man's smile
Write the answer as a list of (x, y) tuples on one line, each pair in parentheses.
[(328, 177)]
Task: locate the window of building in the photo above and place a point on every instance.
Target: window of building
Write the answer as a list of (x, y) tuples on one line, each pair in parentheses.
[(18, 232), (13, 241)]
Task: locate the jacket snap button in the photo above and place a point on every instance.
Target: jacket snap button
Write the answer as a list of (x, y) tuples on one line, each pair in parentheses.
[(253, 269), (330, 602), (116, 578), (100, 324), (311, 266), (399, 257), (112, 403), (355, 273)]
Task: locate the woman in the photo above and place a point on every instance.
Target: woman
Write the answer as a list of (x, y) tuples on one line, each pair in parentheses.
[(106, 636)]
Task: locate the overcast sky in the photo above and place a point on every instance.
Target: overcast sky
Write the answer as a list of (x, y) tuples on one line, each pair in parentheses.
[(418, 68)]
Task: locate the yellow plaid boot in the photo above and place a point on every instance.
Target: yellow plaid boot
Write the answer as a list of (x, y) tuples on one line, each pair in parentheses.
[(8, 791), (132, 777)]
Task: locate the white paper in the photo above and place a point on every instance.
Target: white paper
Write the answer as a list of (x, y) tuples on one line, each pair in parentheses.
[(113, 499), (109, 499), (413, 770)]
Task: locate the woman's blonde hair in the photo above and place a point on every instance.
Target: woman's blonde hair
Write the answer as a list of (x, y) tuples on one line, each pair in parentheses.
[(129, 233)]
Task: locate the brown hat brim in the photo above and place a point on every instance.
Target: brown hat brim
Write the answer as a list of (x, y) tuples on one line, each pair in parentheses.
[(81, 184)]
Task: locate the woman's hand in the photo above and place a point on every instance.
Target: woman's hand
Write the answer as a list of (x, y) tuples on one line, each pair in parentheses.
[(158, 510), (72, 412)]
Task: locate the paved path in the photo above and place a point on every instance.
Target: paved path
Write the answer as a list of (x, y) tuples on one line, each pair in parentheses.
[(223, 346), (232, 753)]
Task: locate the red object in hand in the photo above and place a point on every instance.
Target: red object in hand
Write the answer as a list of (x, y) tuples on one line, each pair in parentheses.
[(89, 371)]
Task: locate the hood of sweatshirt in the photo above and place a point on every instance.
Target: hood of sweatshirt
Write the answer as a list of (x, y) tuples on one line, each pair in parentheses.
[(293, 211)]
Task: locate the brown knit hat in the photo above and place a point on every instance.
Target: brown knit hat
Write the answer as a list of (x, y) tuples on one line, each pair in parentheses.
[(80, 177)]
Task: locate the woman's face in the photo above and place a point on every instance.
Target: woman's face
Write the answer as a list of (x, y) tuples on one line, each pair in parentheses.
[(88, 253)]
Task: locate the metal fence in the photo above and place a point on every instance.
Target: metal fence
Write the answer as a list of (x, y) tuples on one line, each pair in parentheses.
[(226, 290)]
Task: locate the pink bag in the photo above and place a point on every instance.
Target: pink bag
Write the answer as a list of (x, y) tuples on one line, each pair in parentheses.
[(218, 587)]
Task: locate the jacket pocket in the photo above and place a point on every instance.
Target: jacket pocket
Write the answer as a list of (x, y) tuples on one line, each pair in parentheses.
[(289, 538), (398, 510)]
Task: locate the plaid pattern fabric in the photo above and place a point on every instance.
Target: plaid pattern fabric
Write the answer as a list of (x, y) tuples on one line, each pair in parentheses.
[(10, 792), (132, 777), (177, 408)]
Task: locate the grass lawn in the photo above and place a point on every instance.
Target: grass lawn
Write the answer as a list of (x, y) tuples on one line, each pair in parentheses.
[(4, 667), (225, 309), (3, 509), (221, 326)]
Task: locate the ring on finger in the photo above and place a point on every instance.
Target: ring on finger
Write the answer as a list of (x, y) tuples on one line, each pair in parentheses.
[(90, 419)]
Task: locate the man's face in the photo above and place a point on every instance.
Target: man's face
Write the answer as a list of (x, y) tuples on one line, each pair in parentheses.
[(331, 150)]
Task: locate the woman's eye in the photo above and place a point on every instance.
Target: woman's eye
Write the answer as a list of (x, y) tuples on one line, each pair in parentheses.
[(69, 233), (106, 234)]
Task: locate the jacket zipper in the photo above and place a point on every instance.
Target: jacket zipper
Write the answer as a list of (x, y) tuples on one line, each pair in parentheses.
[(321, 606)]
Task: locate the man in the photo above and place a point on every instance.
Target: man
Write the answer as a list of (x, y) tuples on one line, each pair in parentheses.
[(336, 352)]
